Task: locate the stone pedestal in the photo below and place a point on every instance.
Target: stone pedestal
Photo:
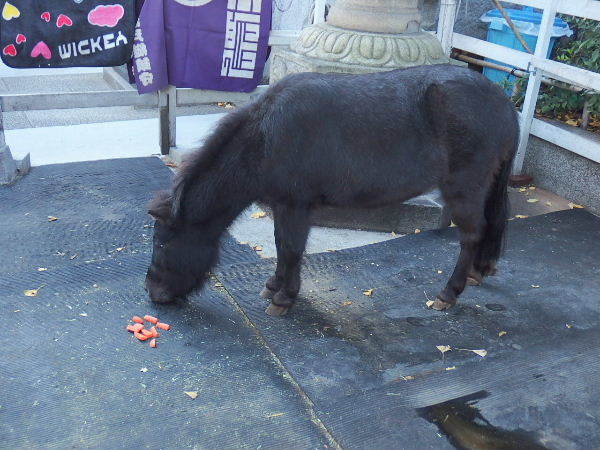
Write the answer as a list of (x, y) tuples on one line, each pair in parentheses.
[(361, 36)]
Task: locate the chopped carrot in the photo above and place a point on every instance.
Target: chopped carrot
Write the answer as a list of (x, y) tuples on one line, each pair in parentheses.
[(154, 332), (140, 336), (153, 343), (163, 326), (146, 332), (131, 328), (137, 319), (151, 319), (137, 327)]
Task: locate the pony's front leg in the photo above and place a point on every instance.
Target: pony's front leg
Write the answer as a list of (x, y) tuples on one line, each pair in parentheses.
[(291, 232)]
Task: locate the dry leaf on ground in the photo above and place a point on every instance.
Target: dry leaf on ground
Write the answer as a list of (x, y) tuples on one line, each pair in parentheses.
[(270, 416), (451, 368), (346, 303), (52, 219), (191, 394), (32, 292), (258, 215), (502, 333), (428, 303), (369, 292), (144, 369), (42, 269), (522, 189), (443, 348), (481, 353), (533, 200), (575, 205), (257, 248), (521, 216), (417, 230), (535, 286)]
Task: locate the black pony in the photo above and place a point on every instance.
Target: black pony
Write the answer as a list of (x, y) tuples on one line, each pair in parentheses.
[(343, 140)]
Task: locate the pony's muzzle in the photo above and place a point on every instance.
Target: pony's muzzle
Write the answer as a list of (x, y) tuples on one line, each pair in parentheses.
[(157, 293)]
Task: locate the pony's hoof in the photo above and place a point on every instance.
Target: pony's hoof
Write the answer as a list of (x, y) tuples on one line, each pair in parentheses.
[(267, 293), (440, 305), (474, 280), (274, 310)]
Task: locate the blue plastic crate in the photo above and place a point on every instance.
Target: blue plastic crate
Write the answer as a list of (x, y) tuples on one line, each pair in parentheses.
[(527, 20)]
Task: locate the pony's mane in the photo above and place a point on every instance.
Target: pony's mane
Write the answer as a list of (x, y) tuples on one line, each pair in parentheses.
[(167, 204)]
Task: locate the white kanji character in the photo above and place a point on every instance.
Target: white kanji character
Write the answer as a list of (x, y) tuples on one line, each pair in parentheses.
[(146, 78), (143, 64), (140, 50), (138, 35)]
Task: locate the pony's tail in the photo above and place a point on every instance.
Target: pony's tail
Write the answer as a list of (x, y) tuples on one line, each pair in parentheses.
[(496, 216)]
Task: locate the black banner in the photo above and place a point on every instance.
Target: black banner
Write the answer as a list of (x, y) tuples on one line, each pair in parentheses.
[(66, 33)]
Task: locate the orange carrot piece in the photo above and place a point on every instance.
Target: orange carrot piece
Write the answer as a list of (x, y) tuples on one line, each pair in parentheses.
[(163, 326), (151, 319), (137, 327), (153, 343), (131, 328), (137, 319), (140, 336), (155, 333), (146, 332)]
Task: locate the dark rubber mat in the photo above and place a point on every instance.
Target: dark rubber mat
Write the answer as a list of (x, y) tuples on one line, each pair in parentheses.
[(371, 366), (101, 210), (71, 376)]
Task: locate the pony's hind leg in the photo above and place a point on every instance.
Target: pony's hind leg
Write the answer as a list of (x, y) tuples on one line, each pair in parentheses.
[(291, 232), (469, 218)]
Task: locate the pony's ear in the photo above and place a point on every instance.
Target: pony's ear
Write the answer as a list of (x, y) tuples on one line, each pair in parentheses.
[(160, 208)]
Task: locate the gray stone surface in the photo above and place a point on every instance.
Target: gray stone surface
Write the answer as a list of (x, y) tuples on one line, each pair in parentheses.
[(467, 18), (54, 83), (564, 172)]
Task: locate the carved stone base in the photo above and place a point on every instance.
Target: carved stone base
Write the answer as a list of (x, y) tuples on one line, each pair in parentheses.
[(325, 48)]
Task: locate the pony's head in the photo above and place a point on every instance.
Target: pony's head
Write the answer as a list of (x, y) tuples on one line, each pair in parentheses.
[(182, 253)]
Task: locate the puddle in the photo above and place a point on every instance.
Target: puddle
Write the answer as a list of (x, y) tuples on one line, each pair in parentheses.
[(467, 429)]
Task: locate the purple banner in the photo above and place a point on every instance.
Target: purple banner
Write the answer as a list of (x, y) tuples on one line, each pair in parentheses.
[(201, 44)]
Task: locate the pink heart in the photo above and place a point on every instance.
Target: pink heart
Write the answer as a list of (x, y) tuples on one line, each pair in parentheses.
[(63, 20), (10, 50), (20, 38), (46, 16), (41, 49)]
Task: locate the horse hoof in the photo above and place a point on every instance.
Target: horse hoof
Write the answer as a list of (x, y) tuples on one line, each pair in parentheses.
[(267, 293), (472, 281), (274, 310), (440, 305)]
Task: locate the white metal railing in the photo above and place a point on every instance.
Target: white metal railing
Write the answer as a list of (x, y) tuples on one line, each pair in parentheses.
[(538, 65)]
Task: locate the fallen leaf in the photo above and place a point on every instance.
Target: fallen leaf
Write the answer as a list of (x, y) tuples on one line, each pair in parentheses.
[(346, 303), (258, 215), (451, 368), (481, 353), (83, 314), (575, 205), (440, 271), (522, 189), (502, 333), (533, 200), (73, 256), (394, 234), (52, 219), (120, 249), (191, 394), (452, 224), (170, 164), (42, 269), (32, 292), (369, 292), (521, 216), (257, 248), (568, 325), (548, 203), (428, 303), (218, 285), (144, 369), (572, 122), (443, 348), (417, 230), (270, 416), (535, 286)]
